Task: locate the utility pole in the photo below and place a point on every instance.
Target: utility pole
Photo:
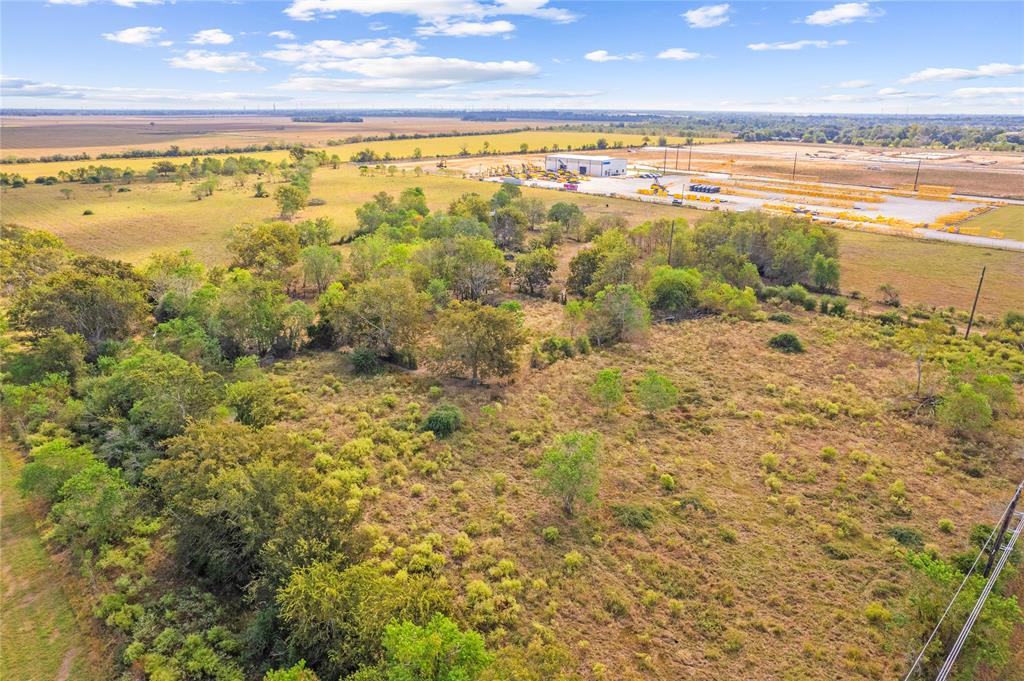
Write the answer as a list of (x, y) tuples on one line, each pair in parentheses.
[(690, 160), (794, 167), (1001, 533), (677, 157), (970, 322), (664, 163), (918, 173)]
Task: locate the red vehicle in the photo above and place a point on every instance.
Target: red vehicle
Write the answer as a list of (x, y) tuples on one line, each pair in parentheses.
[(570, 186)]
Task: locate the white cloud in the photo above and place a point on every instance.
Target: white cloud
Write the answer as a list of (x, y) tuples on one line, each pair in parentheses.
[(377, 26), (283, 35), (430, 11), (678, 54), (843, 13), (139, 35), (22, 87), (319, 54), (973, 92), (708, 16), (211, 36), (465, 29), (400, 74), (217, 62), (604, 55), (983, 71), (798, 45), (855, 84)]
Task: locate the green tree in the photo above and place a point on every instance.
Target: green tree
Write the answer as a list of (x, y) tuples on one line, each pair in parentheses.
[(479, 339), (569, 216), (470, 205), (533, 208), (509, 226), (320, 266), (92, 509), (386, 315), (315, 232), (436, 651), (297, 672), (582, 268), (290, 199), (476, 268), (534, 270), (965, 411), (607, 388), (50, 465), (248, 315), (674, 290), (825, 273), (656, 393), (570, 469), (98, 308), (618, 312), (266, 248)]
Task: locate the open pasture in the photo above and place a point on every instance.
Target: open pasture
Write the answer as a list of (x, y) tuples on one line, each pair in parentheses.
[(34, 136), (1007, 219)]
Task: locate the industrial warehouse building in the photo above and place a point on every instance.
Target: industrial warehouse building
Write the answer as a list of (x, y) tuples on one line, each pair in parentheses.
[(600, 166)]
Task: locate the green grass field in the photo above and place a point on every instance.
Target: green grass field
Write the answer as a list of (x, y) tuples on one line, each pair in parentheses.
[(40, 637), (402, 148), (1007, 219)]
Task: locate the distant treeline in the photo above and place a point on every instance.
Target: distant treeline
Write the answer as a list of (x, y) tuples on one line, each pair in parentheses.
[(173, 151), (329, 118), (993, 133)]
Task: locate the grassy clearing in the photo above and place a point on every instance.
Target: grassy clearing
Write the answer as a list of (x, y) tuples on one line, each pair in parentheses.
[(161, 217), (932, 273), (1007, 219), (40, 637), (737, 575)]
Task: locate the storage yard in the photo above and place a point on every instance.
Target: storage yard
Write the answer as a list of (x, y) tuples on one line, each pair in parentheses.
[(920, 211)]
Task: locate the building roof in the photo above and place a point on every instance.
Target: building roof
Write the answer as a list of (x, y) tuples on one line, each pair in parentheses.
[(584, 157)]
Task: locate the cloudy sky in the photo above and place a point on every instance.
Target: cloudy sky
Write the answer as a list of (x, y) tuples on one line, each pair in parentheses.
[(892, 57)]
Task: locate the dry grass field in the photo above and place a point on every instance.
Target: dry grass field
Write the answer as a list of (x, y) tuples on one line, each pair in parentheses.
[(860, 166), (34, 136), (41, 638), (730, 580)]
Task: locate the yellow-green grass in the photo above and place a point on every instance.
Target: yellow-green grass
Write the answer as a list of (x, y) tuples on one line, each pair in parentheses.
[(1006, 219), (40, 637), (162, 217), (435, 146), (932, 273), (757, 594)]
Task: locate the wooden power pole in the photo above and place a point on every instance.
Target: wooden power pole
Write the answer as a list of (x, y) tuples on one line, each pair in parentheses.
[(970, 322)]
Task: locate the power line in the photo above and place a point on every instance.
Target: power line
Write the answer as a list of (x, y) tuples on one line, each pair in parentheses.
[(956, 594)]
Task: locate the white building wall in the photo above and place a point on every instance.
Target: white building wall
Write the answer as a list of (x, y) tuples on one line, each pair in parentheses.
[(595, 167)]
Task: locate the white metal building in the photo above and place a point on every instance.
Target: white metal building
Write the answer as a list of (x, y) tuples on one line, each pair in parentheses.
[(582, 164)]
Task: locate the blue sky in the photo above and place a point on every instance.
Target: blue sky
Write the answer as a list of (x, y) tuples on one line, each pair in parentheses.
[(892, 57)]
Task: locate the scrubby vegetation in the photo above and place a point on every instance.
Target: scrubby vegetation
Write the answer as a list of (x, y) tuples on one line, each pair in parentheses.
[(334, 460)]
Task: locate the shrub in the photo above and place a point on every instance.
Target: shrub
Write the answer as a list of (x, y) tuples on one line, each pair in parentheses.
[(443, 420), (781, 317), (655, 392), (634, 516), (877, 614), (965, 411), (946, 526), (907, 536), (829, 454), (607, 389), (550, 534), (786, 342), (667, 482), (364, 361), (572, 562), (88, 211)]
